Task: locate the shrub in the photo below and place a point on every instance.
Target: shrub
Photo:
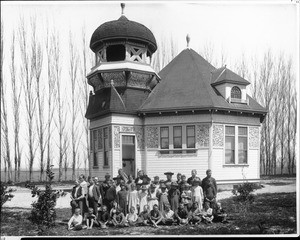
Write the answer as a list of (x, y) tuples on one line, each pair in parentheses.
[(6, 193), (43, 210), (243, 192)]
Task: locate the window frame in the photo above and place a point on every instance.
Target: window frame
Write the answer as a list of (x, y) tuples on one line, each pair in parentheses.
[(234, 142), (244, 150), (233, 93), (105, 148), (168, 137), (187, 136)]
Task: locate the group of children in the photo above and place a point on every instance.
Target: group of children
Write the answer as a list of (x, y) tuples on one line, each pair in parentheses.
[(141, 202)]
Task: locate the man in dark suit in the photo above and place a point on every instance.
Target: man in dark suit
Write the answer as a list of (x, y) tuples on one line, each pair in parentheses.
[(209, 187), (93, 195), (76, 200)]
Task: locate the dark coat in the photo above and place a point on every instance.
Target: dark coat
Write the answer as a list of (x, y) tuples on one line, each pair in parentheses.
[(96, 192)]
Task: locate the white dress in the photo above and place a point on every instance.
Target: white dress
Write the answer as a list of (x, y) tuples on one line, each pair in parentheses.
[(151, 203), (197, 194), (133, 200), (143, 196)]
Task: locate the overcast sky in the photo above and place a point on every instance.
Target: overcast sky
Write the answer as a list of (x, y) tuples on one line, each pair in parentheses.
[(235, 28)]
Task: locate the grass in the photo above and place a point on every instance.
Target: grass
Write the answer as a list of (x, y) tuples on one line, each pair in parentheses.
[(272, 213)]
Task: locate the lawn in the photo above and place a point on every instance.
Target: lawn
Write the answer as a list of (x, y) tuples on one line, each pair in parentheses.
[(271, 213)]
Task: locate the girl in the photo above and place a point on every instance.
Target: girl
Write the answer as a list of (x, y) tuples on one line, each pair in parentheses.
[(118, 218), (152, 198), (90, 218), (144, 216), (133, 198), (163, 197), (132, 217), (143, 198), (75, 222), (113, 210), (188, 195), (103, 217), (197, 194), (207, 215), (174, 195), (155, 216), (195, 214), (122, 199)]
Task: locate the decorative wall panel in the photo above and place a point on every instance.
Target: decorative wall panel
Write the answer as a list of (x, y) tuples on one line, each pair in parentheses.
[(218, 135), (152, 137), (254, 137), (100, 144), (139, 134), (202, 135)]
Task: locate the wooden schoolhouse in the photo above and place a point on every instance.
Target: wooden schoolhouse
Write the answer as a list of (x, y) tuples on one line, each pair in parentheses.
[(190, 115)]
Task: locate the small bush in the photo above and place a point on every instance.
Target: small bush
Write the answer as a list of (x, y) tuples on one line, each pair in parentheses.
[(244, 191), (6, 193), (43, 211)]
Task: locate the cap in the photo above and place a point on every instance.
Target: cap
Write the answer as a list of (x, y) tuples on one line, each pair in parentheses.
[(169, 173)]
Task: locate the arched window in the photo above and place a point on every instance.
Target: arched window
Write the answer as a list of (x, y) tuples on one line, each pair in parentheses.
[(115, 53), (236, 92)]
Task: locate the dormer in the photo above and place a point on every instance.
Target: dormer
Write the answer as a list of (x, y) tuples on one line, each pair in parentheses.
[(230, 85)]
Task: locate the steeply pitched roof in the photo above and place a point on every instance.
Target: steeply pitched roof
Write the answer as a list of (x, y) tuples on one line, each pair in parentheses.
[(186, 84), (224, 74)]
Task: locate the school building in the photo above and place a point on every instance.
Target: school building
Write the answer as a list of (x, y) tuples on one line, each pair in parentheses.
[(190, 115)]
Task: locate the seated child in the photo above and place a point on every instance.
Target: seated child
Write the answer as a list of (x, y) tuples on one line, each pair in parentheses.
[(131, 217), (220, 214), (155, 216), (207, 215), (90, 218), (118, 219), (168, 216), (195, 214), (75, 222), (144, 217), (181, 215), (103, 217), (113, 210)]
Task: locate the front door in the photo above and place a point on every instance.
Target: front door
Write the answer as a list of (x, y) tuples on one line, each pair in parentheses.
[(128, 154)]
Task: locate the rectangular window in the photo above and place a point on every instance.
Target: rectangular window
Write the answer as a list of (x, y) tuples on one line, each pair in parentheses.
[(106, 146), (95, 162), (242, 143), (229, 145), (164, 137), (177, 137), (190, 136)]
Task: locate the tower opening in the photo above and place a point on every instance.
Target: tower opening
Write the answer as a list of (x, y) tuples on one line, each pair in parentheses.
[(115, 53)]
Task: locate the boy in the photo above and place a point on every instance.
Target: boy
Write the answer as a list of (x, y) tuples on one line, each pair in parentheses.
[(90, 218), (168, 216), (220, 214), (144, 216), (195, 214), (207, 214), (118, 218), (181, 215), (103, 217), (75, 222), (132, 217), (93, 195), (155, 216)]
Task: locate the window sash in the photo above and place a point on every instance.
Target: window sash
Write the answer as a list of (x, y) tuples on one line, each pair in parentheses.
[(177, 137), (190, 137), (236, 93), (164, 137), (106, 146)]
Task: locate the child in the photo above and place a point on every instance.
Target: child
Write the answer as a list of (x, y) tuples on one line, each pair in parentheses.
[(75, 222), (188, 196), (113, 209), (103, 217), (163, 197), (181, 215), (90, 218), (118, 219), (132, 217), (110, 195), (152, 198), (168, 216), (122, 198), (182, 183), (143, 198), (207, 214), (220, 214), (195, 214), (155, 216), (174, 195), (133, 198), (179, 178), (156, 182), (144, 217), (197, 193)]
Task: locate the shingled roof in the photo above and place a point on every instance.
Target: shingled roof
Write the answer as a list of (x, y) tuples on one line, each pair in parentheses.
[(225, 75), (186, 85)]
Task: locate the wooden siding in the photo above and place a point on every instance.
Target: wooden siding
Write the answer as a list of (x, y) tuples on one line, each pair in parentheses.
[(234, 172), (117, 162), (183, 164), (116, 119), (241, 120)]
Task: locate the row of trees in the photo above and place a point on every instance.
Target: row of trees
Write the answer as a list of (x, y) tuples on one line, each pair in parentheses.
[(49, 96)]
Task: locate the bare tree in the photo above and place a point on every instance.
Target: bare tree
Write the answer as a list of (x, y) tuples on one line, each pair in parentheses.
[(65, 154), (37, 65), (16, 96), (73, 67), (4, 120), (208, 52)]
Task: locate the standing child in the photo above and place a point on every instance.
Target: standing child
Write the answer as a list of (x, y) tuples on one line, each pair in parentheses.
[(75, 222), (174, 196), (163, 197), (133, 198), (197, 194), (188, 193), (143, 198), (152, 198), (90, 218), (132, 217), (122, 198)]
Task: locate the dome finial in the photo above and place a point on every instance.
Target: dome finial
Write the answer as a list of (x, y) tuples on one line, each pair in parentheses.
[(122, 6), (188, 40)]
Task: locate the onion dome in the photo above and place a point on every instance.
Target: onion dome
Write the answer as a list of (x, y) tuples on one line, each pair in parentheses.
[(122, 29)]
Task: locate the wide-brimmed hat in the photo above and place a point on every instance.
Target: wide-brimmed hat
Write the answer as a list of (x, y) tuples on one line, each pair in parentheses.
[(174, 184), (156, 177), (169, 173)]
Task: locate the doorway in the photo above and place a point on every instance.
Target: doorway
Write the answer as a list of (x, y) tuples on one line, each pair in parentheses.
[(128, 154)]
